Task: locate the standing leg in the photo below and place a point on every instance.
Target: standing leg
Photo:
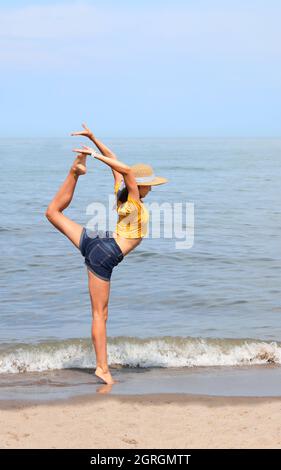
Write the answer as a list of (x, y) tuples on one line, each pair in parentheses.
[(62, 200), (99, 294)]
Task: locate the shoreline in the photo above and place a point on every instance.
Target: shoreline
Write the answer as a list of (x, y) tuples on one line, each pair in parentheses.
[(156, 398), (142, 421), (46, 386)]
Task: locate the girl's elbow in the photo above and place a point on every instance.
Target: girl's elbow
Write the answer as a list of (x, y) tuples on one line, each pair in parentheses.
[(128, 170)]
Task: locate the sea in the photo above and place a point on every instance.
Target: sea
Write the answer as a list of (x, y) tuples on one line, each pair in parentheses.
[(195, 309)]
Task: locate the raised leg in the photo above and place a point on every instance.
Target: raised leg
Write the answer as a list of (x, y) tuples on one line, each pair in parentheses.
[(99, 294), (62, 200)]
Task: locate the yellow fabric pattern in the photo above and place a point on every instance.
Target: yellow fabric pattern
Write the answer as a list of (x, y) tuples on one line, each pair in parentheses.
[(133, 217)]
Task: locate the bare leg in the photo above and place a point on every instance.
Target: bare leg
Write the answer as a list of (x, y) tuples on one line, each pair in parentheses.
[(99, 294), (62, 200)]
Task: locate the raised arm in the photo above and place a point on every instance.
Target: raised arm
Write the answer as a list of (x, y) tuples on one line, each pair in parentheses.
[(118, 166), (102, 147)]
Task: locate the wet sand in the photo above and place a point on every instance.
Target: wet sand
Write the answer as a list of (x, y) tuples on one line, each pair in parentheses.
[(259, 381)]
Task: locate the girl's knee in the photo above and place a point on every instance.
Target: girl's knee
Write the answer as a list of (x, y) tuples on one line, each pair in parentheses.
[(51, 213), (100, 313)]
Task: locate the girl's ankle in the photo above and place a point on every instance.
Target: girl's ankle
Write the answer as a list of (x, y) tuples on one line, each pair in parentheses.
[(104, 369)]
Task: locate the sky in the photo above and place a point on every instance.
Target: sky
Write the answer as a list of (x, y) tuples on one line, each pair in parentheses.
[(190, 68)]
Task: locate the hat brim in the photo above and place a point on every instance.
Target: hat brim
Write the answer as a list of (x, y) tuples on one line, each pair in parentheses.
[(157, 180)]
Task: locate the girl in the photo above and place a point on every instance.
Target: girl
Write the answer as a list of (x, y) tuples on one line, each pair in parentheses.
[(101, 251)]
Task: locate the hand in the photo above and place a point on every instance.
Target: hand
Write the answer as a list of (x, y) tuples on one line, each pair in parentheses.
[(86, 133), (86, 151)]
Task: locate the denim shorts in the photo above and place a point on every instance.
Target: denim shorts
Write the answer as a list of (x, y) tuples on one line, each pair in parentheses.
[(101, 252)]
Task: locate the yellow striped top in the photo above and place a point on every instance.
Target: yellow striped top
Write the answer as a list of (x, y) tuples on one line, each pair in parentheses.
[(133, 217)]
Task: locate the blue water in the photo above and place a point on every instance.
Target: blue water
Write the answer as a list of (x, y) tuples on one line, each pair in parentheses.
[(226, 286)]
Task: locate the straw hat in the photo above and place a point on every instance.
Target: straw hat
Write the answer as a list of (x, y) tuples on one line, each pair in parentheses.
[(145, 176)]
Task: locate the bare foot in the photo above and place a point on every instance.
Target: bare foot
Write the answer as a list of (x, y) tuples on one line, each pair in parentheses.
[(105, 376), (79, 165)]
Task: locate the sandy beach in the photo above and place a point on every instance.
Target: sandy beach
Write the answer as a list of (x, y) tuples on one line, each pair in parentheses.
[(142, 421)]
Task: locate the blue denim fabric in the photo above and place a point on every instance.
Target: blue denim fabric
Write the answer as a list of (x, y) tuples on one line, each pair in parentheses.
[(101, 252)]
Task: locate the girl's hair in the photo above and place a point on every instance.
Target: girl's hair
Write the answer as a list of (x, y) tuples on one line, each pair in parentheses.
[(123, 196)]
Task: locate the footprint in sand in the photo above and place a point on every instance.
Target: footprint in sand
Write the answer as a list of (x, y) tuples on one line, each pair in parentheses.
[(130, 441)]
